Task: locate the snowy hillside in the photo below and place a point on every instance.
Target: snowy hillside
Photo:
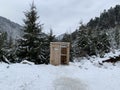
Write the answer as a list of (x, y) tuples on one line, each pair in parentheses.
[(76, 76), (60, 37), (12, 29)]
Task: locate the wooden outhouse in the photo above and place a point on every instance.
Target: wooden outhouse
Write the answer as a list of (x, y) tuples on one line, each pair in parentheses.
[(59, 53)]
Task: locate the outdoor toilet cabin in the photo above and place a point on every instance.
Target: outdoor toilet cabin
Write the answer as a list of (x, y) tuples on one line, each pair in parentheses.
[(59, 53)]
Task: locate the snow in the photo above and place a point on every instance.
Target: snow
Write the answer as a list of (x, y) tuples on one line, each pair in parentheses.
[(27, 62), (83, 75)]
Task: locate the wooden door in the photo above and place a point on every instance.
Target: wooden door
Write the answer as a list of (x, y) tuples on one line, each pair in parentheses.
[(55, 55), (64, 55)]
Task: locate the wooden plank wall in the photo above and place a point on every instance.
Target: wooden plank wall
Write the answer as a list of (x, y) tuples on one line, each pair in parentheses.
[(55, 52)]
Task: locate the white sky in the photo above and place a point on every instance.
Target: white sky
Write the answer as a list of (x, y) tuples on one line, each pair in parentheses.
[(60, 15)]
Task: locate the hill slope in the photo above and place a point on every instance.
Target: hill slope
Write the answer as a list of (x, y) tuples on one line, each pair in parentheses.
[(12, 29)]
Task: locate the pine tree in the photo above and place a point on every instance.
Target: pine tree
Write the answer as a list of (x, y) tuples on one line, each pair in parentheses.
[(31, 46), (83, 42), (10, 49), (102, 42), (117, 36), (68, 38), (3, 38), (50, 38)]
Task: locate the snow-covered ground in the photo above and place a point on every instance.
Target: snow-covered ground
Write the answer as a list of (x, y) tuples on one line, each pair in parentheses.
[(85, 75)]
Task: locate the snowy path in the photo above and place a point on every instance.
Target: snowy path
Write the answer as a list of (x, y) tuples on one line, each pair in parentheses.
[(48, 77), (67, 83)]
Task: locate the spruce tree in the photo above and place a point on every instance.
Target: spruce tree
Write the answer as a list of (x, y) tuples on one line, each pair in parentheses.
[(3, 38), (49, 38), (102, 42), (10, 49), (68, 38), (83, 42), (117, 36), (31, 45)]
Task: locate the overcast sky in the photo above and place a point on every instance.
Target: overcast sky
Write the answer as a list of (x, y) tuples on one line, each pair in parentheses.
[(60, 15)]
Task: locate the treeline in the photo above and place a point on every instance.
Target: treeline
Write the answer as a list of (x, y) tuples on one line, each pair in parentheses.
[(99, 36), (32, 46)]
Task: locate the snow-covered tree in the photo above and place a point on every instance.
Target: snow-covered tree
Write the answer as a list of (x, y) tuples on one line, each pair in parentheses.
[(2, 41), (102, 42), (9, 50), (67, 37), (49, 38), (82, 42), (32, 45), (117, 36)]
